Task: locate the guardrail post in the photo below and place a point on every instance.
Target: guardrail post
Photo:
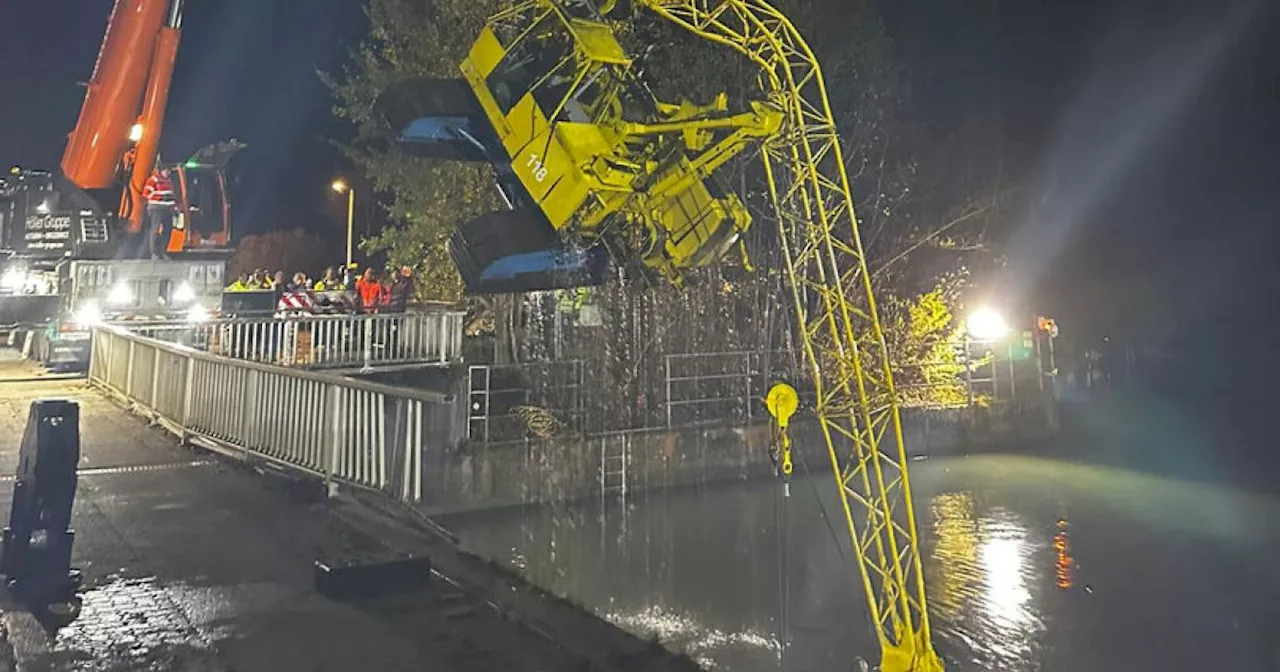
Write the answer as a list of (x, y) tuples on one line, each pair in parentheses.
[(380, 417), (99, 352), (334, 443), (155, 379), (667, 361), (368, 324), (186, 396), (443, 341), (128, 375), (246, 414), (410, 475)]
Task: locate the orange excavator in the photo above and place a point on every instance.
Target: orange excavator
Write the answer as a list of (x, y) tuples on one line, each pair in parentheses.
[(72, 241)]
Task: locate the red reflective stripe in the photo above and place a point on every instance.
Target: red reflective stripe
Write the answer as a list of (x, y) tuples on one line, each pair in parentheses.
[(295, 301)]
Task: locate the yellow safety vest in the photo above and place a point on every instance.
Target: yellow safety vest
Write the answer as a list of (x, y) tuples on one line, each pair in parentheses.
[(570, 301)]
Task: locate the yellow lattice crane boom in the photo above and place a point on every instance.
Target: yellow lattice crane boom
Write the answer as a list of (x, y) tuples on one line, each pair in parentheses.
[(589, 159), (836, 312)]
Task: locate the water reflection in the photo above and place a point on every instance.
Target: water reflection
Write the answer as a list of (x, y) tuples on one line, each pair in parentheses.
[(730, 574), (1005, 609), (685, 633), (1063, 561), (954, 561), (981, 569)]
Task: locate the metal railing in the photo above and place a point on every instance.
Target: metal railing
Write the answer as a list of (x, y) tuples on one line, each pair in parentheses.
[(497, 393), (324, 341), (337, 428), (721, 386)]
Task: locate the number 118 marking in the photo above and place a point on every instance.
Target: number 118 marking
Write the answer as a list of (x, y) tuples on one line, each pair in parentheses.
[(539, 168)]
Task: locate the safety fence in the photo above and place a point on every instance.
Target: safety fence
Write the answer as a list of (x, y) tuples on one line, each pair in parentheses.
[(343, 430), (722, 387), (530, 400), (517, 402), (324, 341), (730, 387)]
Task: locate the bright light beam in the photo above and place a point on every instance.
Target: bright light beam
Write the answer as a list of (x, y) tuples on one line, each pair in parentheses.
[(1123, 111)]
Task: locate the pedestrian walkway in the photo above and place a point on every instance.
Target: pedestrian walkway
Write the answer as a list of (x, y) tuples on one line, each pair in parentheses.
[(330, 342), (194, 562)]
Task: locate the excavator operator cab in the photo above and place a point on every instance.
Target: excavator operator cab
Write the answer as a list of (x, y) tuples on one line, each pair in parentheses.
[(204, 200), (588, 159), (203, 220)]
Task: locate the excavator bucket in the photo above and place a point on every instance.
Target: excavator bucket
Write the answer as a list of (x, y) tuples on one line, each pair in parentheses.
[(436, 118), (516, 251)]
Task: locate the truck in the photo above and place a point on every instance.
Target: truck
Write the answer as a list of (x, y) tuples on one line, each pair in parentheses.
[(71, 240)]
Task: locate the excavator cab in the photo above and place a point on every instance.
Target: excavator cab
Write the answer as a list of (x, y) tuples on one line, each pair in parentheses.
[(588, 159), (203, 221)]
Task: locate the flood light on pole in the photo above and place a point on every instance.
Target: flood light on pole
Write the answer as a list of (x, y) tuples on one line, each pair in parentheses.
[(987, 325)]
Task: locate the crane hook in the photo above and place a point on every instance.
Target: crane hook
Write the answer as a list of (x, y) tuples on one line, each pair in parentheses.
[(782, 402)]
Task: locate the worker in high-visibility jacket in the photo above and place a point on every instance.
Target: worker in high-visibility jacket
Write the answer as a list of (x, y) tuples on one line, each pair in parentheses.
[(330, 282), (161, 204), (240, 285), (570, 301), (370, 290)]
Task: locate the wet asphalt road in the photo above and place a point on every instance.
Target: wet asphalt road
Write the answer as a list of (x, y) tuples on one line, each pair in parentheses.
[(192, 563), (1031, 563)]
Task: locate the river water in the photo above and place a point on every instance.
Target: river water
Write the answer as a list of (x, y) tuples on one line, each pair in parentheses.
[(1031, 564)]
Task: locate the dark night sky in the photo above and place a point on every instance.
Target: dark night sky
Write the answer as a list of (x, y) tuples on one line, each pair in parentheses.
[(1148, 135), (1147, 130)]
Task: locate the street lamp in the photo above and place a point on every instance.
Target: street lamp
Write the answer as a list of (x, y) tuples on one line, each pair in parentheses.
[(342, 187), (987, 325)]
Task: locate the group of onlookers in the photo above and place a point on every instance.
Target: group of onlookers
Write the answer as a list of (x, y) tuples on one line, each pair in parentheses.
[(262, 280), (391, 292)]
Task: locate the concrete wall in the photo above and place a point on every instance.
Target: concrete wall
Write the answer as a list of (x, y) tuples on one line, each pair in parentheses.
[(475, 477), (513, 474)]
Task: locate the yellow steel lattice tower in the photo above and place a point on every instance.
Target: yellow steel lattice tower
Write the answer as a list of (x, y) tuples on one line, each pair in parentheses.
[(843, 343)]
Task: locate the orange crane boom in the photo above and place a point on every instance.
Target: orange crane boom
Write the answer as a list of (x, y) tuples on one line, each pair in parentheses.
[(151, 121), (101, 136), (117, 137)]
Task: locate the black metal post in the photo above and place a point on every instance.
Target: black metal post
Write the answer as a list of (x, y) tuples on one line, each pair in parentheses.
[(36, 554)]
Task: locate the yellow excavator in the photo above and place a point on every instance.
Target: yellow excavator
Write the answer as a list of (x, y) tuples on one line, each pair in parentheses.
[(595, 168), (589, 160)]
